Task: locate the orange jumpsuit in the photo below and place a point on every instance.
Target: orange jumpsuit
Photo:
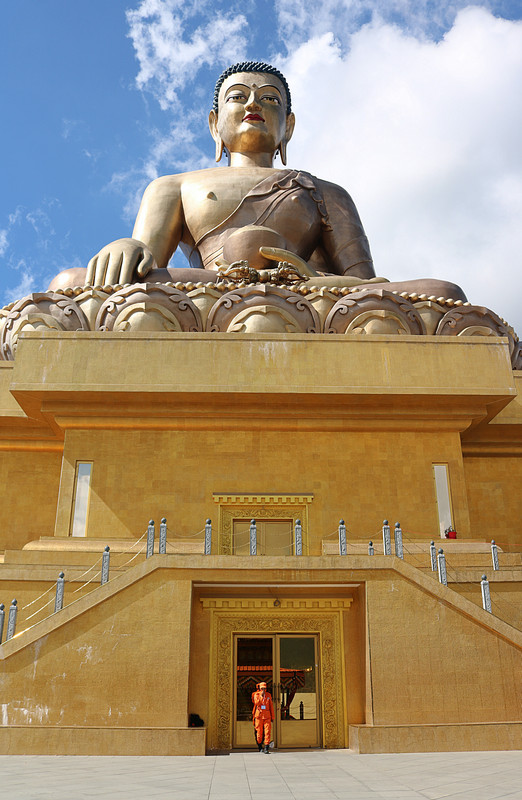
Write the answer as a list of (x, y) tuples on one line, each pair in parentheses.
[(263, 716)]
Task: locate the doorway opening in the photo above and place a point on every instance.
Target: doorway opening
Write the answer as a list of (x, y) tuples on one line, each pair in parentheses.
[(289, 665)]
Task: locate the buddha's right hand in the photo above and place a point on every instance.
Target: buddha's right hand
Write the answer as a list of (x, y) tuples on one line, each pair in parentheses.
[(122, 261)]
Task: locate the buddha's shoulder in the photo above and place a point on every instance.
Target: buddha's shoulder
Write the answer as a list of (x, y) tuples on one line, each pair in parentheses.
[(213, 176), (329, 189)]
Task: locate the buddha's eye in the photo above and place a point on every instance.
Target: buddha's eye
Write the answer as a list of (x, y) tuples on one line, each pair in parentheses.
[(236, 97), (272, 99)]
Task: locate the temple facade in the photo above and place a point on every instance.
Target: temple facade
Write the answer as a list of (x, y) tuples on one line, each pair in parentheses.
[(274, 413)]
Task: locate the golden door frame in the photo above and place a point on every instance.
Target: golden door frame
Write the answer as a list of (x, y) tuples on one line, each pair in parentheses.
[(259, 506), (234, 616)]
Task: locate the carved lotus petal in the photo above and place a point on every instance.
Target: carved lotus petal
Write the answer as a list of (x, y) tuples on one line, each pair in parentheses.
[(36, 311), (263, 308), (375, 311), (148, 307), (475, 321)]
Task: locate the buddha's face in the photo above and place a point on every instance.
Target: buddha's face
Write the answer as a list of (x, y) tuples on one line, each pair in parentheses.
[(252, 113)]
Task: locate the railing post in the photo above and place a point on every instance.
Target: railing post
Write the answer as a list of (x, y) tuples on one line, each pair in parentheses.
[(208, 537), (60, 588), (397, 534), (11, 620), (163, 536), (486, 594), (342, 538), (105, 565), (150, 539), (2, 617), (386, 538), (433, 556), (371, 549), (298, 538), (253, 538), (494, 554), (443, 575)]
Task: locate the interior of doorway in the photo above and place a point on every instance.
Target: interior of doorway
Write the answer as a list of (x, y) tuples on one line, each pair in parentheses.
[(288, 663)]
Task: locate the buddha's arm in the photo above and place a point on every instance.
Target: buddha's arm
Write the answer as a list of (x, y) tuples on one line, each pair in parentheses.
[(157, 232), (345, 245), (159, 223)]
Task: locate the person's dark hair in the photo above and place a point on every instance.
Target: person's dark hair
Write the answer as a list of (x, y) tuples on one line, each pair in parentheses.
[(252, 66)]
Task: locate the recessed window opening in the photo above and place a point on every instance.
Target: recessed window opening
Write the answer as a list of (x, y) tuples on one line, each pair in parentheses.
[(82, 489), (442, 491)]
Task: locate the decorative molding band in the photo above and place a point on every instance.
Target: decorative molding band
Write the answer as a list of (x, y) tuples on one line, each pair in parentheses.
[(284, 604), (272, 499)]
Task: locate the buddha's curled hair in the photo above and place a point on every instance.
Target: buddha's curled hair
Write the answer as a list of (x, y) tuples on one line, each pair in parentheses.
[(252, 66)]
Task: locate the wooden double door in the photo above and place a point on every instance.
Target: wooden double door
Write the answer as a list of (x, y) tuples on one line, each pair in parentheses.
[(288, 663)]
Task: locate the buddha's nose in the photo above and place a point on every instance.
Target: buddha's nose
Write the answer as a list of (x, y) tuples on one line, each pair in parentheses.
[(253, 103)]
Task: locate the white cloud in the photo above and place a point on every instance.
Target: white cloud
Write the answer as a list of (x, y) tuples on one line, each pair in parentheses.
[(421, 18), (4, 241), (23, 288), (171, 51), (425, 136)]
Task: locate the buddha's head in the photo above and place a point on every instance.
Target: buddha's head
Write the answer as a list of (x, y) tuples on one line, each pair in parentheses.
[(252, 111)]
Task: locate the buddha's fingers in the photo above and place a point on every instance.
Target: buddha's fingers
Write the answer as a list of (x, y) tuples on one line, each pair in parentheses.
[(91, 271), (102, 264), (122, 261), (279, 254), (113, 269), (146, 263)]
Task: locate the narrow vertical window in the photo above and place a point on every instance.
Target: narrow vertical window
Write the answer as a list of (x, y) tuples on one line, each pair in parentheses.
[(82, 485), (442, 490)]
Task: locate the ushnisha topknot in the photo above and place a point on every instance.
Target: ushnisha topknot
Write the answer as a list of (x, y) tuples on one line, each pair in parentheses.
[(252, 66)]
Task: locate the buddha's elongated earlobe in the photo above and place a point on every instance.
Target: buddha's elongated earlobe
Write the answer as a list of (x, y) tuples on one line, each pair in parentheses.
[(212, 123), (289, 129)]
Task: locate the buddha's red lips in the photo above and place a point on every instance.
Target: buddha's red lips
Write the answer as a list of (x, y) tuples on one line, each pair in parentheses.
[(248, 117)]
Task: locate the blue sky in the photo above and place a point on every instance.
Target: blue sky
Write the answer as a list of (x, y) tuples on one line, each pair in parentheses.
[(414, 107)]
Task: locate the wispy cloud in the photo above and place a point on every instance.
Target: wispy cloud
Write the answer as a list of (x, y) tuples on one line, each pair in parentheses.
[(33, 250), (70, 126), (25, 286), (174, 39), (430, 19), (4, 241)]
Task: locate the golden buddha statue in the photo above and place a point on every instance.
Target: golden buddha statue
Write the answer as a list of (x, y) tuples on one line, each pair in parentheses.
[(250, 214)]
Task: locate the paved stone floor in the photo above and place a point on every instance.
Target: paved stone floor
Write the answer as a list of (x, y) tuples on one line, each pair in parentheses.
[(308, 775)]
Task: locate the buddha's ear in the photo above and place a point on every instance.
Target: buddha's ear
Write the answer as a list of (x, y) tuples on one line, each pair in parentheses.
[(289, 129), (212, 124), (290, 125)]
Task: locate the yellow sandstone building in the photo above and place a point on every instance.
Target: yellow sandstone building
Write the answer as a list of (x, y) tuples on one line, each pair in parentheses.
[(102, 430), (275, 387)]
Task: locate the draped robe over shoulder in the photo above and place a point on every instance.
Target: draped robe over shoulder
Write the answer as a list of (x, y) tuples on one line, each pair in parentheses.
[(315, 222)]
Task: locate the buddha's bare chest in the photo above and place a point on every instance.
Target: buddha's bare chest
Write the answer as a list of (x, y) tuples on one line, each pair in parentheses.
[(208, 199)]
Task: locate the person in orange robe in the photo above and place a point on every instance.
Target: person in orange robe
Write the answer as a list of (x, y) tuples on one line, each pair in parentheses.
[(263, 716)]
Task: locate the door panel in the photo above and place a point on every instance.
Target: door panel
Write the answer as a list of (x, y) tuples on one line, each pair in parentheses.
[(254, 663), (289, 666), (275, 537), (298, 691)]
